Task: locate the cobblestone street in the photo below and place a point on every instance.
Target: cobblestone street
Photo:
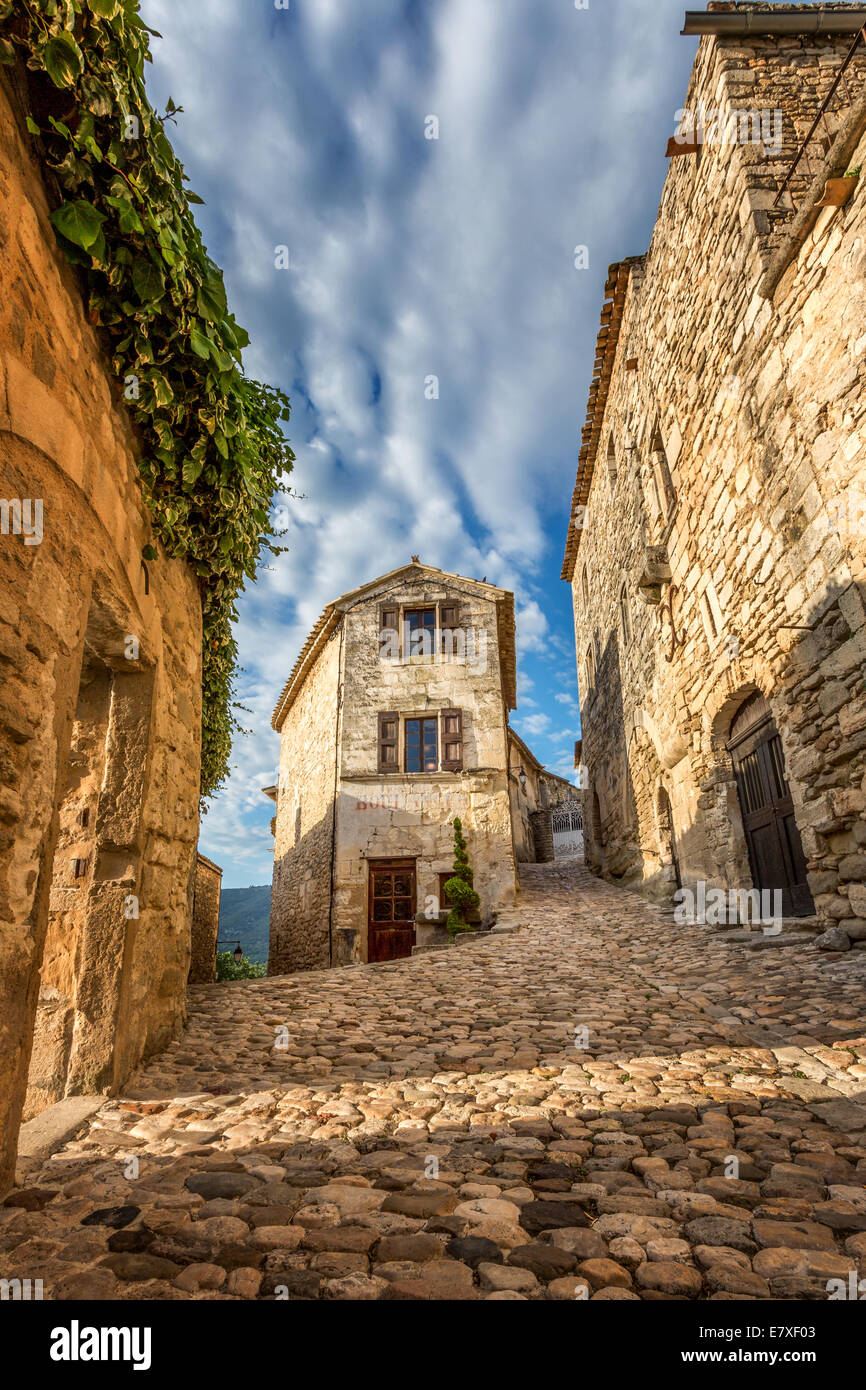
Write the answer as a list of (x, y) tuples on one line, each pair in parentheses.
[(429, 1129)]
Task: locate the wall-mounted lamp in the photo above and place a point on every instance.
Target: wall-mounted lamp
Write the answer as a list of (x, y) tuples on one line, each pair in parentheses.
[(522, 779), (237, 953)]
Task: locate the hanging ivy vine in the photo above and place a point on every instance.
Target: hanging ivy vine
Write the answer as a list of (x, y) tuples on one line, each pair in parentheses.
[(213, 451)]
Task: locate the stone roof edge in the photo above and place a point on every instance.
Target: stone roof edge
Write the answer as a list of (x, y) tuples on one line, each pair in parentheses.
[(332, 614), (607, 342), (524, 747), (203, 859)]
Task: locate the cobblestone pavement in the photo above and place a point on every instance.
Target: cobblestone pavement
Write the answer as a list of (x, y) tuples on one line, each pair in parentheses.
[(429, 1129)]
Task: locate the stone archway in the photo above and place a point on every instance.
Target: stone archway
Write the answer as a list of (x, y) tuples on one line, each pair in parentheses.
[(667, 834), (749, 808), (653, 815)]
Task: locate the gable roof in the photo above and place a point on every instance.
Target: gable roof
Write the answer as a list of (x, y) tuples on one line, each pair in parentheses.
[(332, 615), (527, 753)]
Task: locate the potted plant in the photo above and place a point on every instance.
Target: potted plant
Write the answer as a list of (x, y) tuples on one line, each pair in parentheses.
[(838, 191), (461, 894)]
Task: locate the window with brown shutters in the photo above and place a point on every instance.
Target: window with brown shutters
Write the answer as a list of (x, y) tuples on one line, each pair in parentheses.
[(452, 740), (450, 615), (389, 633), (389, 726), (449, 625)]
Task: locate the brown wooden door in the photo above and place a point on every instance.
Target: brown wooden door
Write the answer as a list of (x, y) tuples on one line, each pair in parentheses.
[(391, 912), (775, 850)]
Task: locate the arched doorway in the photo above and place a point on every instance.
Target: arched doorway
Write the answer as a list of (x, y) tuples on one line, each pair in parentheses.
[(773, 840), (667, 836)]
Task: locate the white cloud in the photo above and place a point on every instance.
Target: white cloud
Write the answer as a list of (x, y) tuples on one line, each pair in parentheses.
[(411, 257)]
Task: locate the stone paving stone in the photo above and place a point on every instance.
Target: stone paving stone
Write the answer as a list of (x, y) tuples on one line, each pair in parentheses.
[(601, 1104)]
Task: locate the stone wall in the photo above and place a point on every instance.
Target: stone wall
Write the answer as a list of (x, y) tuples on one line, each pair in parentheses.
[(303, 833), (99, 737), (750, 574), (205, 921)]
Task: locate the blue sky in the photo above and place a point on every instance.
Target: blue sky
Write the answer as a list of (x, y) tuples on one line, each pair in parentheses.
[(410, 257)]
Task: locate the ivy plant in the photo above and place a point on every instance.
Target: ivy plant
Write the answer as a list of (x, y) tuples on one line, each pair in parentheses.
[(213, 451)]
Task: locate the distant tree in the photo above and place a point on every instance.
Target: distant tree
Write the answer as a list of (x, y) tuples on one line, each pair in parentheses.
[(227, 968)]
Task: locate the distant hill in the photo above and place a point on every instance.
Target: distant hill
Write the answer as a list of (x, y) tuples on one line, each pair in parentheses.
[(245, 916)]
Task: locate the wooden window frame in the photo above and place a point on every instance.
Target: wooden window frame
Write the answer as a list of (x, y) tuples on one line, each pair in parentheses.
[(399, 741), (421, 719), (387, 740), (393, 618), (454, 738)]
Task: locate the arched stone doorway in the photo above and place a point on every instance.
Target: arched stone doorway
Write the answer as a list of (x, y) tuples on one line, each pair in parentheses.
[(773, 841), (667, 836)]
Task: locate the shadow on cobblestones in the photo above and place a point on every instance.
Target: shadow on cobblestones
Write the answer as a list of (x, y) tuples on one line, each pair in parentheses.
[(602, 1104)]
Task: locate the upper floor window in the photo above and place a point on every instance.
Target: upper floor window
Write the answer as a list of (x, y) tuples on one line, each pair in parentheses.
[(422, 633), (421, 743), (665, 492), (420, 630)]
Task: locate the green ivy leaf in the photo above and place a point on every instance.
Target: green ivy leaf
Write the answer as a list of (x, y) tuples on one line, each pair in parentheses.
[(199, 343), (80, 222), (150, 552), (148, 279), (32, 126), (129, 220), (106, 9), (211, 300), (63, 59), (191, 471)]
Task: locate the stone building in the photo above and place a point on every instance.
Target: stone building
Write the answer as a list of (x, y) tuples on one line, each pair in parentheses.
[(717, 543), (99, 734), (205, 921), (535, 795), (393, 721)]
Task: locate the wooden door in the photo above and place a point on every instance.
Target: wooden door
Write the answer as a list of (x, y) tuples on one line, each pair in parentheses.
[(391, 911), (773, 840)]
